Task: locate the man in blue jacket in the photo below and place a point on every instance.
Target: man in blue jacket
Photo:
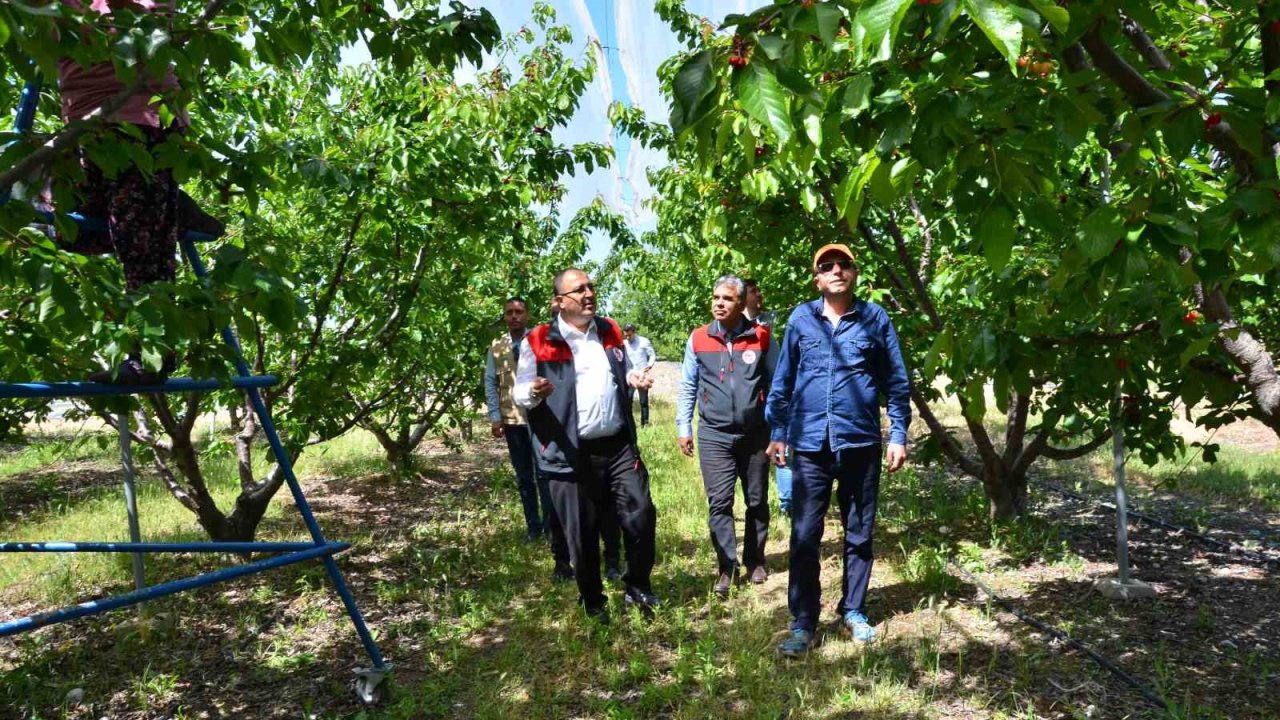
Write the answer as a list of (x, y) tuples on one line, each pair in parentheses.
[(840, 356)]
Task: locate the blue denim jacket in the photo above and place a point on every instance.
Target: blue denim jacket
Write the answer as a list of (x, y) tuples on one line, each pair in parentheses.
[(829, 383)]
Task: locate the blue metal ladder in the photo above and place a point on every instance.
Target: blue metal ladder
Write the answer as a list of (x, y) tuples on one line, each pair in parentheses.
[(369, 681)]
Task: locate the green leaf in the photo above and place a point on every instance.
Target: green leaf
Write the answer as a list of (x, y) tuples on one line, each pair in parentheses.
[(857, 95), (761, 96), (997, 229), (694, 81), (773, 45), (882, 190), (876, 26), (808, 199), (1057, 15), (849, 195), (812, 122), (1197, 348), (941, 345), (1001, 26), (800, 85), (1099, 233), (829, 17)]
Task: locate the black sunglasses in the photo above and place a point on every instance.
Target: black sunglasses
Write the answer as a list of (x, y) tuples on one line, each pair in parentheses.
[(826, 267), (580, 290)]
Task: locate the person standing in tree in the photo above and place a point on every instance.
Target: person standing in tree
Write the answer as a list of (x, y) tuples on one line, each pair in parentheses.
[(727, 367), (141, 207), (839, 357)]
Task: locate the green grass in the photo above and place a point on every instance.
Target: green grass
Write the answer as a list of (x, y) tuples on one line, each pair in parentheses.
[(99, 514), (467, 612), (1238, 476)]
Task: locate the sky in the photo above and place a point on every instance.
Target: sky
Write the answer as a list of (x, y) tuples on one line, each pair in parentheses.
[(635, 42)]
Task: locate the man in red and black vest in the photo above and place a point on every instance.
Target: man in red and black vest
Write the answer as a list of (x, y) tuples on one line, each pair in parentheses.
[(728, 366), (574, 379)]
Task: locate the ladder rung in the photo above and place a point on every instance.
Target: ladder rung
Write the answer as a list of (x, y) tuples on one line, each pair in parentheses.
[(100, 225), (87, 389)]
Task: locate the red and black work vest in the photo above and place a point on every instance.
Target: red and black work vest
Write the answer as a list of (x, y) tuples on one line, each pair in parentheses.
[(733, 377), (554, 422)]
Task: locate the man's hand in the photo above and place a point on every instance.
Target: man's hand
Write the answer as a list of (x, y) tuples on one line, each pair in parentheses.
[(686, 445), (640, 380), (896, 456), (541, 387), (777, 453), (495, 427)]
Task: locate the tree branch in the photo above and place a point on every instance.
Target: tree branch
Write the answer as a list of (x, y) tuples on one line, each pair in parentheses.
[(1139, 92), (326, 303), (1054, 453), (1016, 426), (949, 446), (913, 274), (1097, 338), (926, 256)]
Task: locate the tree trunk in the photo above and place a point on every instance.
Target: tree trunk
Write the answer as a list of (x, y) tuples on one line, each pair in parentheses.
[(1006, 491), (398, 450), (1250, 355)]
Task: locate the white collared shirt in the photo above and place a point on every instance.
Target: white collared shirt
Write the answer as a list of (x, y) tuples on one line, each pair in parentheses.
[(594, 385)]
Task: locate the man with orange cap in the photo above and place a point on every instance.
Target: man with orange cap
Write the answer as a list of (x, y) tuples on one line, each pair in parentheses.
[(839, 357)]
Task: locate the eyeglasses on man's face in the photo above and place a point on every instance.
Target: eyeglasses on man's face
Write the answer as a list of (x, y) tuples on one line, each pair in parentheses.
[(826, 267), (582, 289)]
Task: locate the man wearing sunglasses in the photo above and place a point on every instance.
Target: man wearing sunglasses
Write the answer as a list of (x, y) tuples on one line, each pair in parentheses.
[(574, 378), (840, 356)]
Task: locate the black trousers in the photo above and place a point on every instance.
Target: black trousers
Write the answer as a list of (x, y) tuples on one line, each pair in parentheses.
[(644, 404), (725, 459), (610, 480)]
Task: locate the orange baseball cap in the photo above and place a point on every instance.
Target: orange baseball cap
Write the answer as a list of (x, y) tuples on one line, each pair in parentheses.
[(832, 247)]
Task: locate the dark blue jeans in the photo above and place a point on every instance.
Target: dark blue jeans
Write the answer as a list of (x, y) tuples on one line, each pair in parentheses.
[(533, 487), (855, 473)]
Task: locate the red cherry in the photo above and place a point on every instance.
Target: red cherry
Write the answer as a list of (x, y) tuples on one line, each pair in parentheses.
[(760, 151), (1219, 88), (1022, 61), (1213, 120), (1191, 318), (737, 61), (1274, 26)]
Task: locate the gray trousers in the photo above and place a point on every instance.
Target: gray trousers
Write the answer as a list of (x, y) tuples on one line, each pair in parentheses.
[(725, 459)]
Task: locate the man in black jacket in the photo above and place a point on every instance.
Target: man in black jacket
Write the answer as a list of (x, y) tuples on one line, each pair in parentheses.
[(574, 379)]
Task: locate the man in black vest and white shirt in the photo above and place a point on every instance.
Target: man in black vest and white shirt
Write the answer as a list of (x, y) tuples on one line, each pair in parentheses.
[(574, 379)]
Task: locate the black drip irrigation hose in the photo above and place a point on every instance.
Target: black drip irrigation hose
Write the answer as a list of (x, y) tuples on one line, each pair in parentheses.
[(1152, 520), (1092, 654)]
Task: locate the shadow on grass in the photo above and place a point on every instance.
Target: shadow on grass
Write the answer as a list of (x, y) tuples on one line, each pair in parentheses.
[(25, 497)]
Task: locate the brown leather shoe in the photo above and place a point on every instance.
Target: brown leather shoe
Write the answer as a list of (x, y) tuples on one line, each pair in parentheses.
[(722, 584), (759, 575)]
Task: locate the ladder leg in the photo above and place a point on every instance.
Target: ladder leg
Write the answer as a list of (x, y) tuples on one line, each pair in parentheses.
[(131, 498), (286, 466)]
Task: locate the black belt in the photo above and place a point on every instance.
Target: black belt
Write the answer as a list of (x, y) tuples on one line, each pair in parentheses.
[(614, 440)]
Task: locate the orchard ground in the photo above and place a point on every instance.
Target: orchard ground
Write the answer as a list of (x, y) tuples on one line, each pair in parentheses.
[(467, 612)]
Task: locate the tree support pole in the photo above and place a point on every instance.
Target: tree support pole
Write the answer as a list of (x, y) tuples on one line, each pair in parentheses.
[(1123, 587)]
